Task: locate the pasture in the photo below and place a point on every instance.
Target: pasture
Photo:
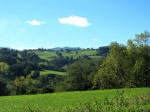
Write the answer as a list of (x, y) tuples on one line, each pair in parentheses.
[(49, 72), (49, 55), (67, 100)]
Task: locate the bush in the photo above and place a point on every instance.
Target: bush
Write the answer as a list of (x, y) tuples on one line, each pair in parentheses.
[(3, 87)]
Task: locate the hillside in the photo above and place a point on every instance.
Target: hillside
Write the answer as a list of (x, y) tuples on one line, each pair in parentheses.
[(52, 55), (49, 55)]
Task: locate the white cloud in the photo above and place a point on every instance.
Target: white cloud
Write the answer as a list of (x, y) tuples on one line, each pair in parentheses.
[(35, 22), (75, 20)]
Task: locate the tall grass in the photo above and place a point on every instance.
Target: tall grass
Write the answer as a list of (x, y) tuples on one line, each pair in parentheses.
[(117, 100), (118, 103)]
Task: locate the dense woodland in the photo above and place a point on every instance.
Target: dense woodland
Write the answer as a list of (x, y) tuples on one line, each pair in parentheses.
[(118, 66)]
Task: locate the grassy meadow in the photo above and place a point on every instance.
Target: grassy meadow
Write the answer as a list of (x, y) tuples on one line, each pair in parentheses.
[(67, 101), (48, 72), (49, 55)]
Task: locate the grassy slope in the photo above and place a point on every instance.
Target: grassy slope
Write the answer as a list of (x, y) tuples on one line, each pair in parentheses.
[(47, 72), (80, 53), (60, 100), (49, 55)]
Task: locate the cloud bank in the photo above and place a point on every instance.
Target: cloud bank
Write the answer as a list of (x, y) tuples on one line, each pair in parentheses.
[(74, 20), (35, 22)]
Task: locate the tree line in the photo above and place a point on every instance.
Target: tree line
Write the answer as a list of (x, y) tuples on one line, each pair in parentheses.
[(124, 66)]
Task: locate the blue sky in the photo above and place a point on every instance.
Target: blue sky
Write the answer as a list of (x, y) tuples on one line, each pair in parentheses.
[(73, 23)]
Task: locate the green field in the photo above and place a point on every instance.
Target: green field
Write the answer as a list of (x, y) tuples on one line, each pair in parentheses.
[(49, 55), (60, 101), (48, 72)]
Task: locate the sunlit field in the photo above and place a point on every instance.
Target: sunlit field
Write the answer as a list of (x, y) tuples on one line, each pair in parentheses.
[(66, 100)]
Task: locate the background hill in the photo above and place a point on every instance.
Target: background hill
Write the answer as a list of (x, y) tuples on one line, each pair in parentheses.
[(49, 55)]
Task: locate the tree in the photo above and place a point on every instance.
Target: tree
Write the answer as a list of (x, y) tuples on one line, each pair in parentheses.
[(113, 72), (36, 74), (59, 54), (20, 85), (8, 56), (102, 51), (79, 75), (3, 87), (77, 52), (126, 66), (67, 50), (3, 69), (3, 66), (139, 55)]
